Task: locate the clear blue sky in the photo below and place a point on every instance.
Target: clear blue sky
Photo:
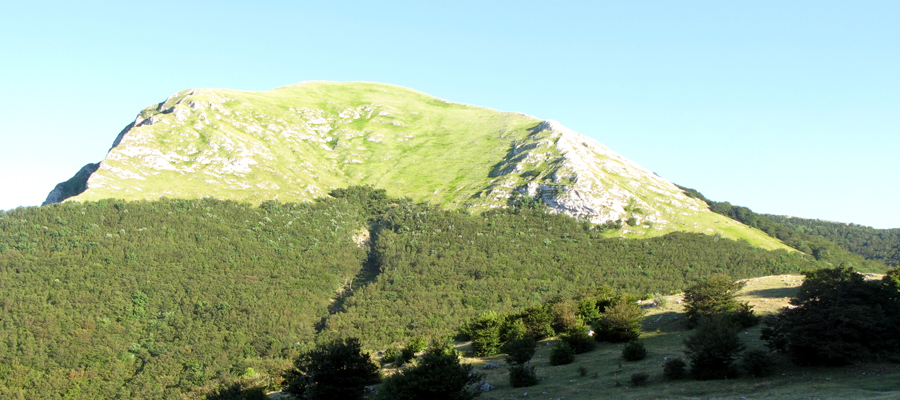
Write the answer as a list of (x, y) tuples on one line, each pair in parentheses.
[(787, 107)]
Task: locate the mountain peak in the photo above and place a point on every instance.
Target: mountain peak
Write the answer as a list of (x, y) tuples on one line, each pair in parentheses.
[(298, 142)]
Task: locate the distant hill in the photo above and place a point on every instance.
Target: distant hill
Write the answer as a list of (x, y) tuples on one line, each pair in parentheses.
[(299, 142), (874, 244)]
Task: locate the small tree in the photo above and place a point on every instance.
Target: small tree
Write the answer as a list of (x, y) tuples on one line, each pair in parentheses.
[(621, 322), (713, 348), (437, 375), (561, 354), (520, 351), (758, 363), (485, 333), (334, 370), (578, 338), (522, 375), (634, 351), (715, 295), (675, 369), (837, 318)]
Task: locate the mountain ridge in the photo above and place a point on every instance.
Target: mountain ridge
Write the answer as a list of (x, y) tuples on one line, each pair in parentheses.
[(298, 142)]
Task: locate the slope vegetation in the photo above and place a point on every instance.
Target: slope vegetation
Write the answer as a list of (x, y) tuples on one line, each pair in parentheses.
[(299, 142)]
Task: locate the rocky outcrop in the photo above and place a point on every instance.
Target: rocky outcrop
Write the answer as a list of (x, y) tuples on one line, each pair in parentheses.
[(72, 187)]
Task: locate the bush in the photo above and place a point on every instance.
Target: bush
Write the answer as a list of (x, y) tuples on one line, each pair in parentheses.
[(621, 322), (758, 363), (675, 369), (334, 370), (715, 295), (238, 391), (578, 338), (713, 348), (538, 322), (417, 344), (639, 379), (512, 329), (438, 375), (561, 354), (519, 351), (521, 375), (837, 318), (485, 333), (634, 351)]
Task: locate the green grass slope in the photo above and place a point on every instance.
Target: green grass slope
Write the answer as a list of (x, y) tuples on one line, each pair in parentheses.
[(298, 142)]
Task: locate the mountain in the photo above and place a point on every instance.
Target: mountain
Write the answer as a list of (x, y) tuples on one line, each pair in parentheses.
[(298, 142)]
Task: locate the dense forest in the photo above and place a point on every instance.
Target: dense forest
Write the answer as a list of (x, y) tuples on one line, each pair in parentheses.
[(874, 244), (835, 243), (168, 298)]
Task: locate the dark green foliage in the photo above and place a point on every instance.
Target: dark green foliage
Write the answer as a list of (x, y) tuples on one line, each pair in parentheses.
[(520, 351), (713, 348), (238, 391), (334, 370), (873, 244), (513, 328), (561, 353), (634, 351), (675, 369), (825, 241), (431, 262), (538, 321), (485, 333), (150, 299), (758, 363), (639, 379), (715, 295), (620, 322), (437, 375), (837, 318), (578, 339), (582, 371), (521, 375), (159, 297)]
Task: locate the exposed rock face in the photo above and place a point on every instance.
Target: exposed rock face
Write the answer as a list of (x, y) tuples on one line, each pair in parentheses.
[(72, 187), (575, 175), (298, 142)]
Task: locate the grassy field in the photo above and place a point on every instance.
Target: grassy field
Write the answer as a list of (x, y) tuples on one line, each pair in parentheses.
[(607, 375)]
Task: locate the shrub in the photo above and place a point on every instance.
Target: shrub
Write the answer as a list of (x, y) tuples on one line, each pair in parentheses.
[(561, 354), (512, 329), (582, 371), (519, 351), (564, 315), (634, 351), (417, 344), (238, 391), (621, 322), (639, 379), (675, 369), (715, 295), (836, 318), (538, 322), (334, 370), (758, 363), (438, 375), (485, 333), (521, 375), (713, 348), (577, 337), (661, 300)]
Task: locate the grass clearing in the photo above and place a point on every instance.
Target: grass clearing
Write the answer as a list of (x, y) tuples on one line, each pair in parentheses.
[(608, 375)]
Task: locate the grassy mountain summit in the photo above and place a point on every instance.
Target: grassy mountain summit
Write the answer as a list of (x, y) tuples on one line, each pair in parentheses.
[(298, 142)]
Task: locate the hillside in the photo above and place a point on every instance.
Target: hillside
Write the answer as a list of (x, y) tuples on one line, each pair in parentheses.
[(299, 142), (164, 298)]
